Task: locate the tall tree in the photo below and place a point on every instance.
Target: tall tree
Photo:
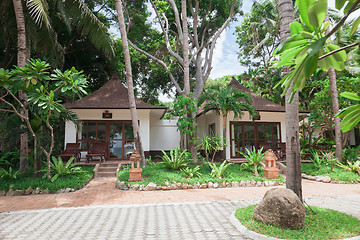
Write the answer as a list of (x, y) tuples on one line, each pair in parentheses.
[(129, 81), (293, 161), (190, 30), (21, 60)]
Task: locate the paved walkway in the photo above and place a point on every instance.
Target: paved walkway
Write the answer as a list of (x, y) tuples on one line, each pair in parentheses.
[(180, 214)]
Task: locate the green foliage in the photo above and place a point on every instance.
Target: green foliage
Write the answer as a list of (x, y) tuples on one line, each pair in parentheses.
[(75, 181), (211, 144), (351, 166), (308, 42), (159, 173), (9, 174), (324, 224), (218, 171), (176, 159), (184, 107), (350, 154), (253, 158), (192, 172), (351, 115), (58, 169), (316, 159), (8, 159), (329, 159)]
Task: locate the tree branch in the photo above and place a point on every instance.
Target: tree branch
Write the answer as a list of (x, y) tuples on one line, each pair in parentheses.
[(340, 49), (177, 19)]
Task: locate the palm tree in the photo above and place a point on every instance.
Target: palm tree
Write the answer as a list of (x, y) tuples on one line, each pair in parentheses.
[(73, 13), (224, 100), (293, 168)]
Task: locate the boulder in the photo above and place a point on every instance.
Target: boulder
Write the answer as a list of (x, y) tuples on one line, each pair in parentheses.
[(282, 207), (210, 185), (235, 184), (203, 186), (28, 191), (2, 193), (119, 185), (150, 187), (18, 192)]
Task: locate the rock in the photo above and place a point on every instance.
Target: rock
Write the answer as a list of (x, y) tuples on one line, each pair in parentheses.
[(150, 187), (178, 186), (224, 184), (2, 193), (67, 190), (258, 184), (185, 186), (141, 188), (28, 191), (253, 183), (228, 184), (135, 187), (216, 185), (167, 184), (191, 187), (235, 184), (266, 184), (46, 191), (276, 183), (282, 207), (247, 183), (242, 183), (172, 187), (165, 188), (203, 186), (18, 192), (119, 185), (60, 191), (37, 191), (210, 185), (326, 179), (10, 192), (271, 183), (157, 188)]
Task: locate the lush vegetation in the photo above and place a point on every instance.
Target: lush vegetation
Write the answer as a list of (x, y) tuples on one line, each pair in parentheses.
[(338, 173), (75, 181), (322, 224), (159, 174)]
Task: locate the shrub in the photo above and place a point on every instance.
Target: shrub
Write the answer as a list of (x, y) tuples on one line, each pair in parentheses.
[(330, 159), (192, 172), (350, 154), (317, 160), (57, 168), (9, 174), (211, 145), (176, 159), (351, 166), (253, 158), (218, 171)]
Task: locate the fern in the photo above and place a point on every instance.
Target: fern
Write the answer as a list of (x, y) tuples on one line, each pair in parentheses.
[(218, 171), (176, 159)]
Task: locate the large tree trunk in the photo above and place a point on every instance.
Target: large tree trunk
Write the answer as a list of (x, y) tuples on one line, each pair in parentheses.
[(335, 108), (293, 168), (21, 60), (129, 81)]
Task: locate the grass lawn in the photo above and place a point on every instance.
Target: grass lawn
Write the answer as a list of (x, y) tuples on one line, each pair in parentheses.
[(159, 174), (70, 181), (338, 173), (324, 224)]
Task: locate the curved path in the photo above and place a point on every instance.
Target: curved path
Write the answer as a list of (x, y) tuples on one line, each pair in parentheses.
[(99, 211)]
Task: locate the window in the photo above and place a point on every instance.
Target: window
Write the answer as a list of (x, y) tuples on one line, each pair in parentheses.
[(212, 130), (245, 135)]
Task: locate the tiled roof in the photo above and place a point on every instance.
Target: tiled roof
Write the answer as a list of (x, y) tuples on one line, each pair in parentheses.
[(259, 103), (112, 95)]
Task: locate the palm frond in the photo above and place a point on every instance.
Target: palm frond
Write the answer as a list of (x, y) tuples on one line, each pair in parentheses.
[(90, 26), (38, 10)]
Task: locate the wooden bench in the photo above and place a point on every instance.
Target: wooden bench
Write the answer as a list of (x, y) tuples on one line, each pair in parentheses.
[(97, 150), (71, 150)]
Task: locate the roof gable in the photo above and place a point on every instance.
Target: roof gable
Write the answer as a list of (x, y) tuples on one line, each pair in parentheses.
[(259, 103), (112, 95)]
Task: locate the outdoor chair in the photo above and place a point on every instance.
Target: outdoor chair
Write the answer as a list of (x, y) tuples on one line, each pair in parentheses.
[(97, 150), (265, 146), (71, 150), (281, 151)]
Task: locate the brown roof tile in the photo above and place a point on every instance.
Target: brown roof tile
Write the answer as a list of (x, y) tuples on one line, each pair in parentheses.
[(112, 95), (259, 103)]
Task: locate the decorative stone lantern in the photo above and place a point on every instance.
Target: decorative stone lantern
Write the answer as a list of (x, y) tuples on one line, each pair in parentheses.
[(135, 172), (270, 170)]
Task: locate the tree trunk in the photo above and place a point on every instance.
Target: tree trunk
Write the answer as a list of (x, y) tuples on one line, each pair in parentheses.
[(335, 109), (129, 81), (21, 60), (224, 118), (293, 168)]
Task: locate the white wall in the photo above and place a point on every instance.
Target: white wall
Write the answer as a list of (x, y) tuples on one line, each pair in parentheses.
[(163, 134), (117, 114)]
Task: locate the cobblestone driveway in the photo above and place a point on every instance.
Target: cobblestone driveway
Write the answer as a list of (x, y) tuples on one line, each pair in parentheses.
[(200, 220)]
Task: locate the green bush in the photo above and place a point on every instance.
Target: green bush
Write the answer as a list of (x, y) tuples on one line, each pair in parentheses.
[(317, 160), (9, 174), (192, 172), (253, 158), (176, 159), (218, 171), (350, 154), (57, 168)]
